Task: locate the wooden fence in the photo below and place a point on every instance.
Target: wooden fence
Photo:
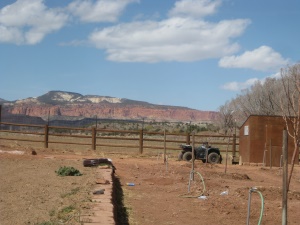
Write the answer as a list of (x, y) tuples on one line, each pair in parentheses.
[(93, 137)]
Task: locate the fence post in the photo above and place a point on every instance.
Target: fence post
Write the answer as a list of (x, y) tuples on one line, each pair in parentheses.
[(233, 146), (188, 139), (46, 139), (193, 156), (141, 141), (285, 177), (94, 138), (270, 153), (0, 115), (165, 146)]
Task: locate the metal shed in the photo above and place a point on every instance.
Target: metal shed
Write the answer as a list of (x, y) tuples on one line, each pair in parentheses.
[(261, 140)]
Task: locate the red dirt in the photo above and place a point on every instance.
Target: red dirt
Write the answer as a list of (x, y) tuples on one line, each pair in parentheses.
[(159, 196), (31, 192)]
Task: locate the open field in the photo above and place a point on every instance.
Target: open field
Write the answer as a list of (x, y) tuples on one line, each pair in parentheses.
[(32, 193)]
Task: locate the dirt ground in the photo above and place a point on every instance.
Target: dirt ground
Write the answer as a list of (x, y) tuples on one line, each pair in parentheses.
[(32, 193)]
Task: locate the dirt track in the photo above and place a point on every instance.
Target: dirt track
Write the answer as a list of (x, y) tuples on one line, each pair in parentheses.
[(32, 193)]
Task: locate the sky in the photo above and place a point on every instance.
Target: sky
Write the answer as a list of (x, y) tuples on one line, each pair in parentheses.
[(192, 53)]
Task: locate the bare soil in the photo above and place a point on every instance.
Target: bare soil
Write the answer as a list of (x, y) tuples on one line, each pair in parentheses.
[(32, 193)]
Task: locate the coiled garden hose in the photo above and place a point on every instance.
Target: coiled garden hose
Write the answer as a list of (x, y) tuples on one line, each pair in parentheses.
[(262, 204)]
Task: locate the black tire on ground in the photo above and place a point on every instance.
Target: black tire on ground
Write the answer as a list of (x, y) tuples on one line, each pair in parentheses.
[(180, 156), (213, 158), (187, 156), (90, 162), (203, 160), (96, 162)]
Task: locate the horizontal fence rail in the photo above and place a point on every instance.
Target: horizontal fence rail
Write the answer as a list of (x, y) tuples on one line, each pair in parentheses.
[(93, 137)]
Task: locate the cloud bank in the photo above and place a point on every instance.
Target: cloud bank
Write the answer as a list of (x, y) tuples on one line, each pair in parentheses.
[(98, 11), (263, 58), (238, 86), (185, 34), (29, 21), (173, 39), (195, 8)]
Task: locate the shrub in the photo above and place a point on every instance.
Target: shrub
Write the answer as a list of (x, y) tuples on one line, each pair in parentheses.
[(68, 171)]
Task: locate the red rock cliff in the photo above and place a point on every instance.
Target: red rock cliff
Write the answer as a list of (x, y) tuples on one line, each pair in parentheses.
[(115, 111)]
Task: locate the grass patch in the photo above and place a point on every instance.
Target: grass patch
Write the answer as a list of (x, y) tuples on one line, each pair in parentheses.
[(52, 213), (67, 214), (67, 209), (74, 191)]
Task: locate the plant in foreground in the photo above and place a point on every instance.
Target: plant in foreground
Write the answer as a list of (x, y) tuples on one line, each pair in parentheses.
[(68, 171)]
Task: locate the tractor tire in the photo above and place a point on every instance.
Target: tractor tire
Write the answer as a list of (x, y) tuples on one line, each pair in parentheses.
[(187, 156), (213, 158), (180, 156)]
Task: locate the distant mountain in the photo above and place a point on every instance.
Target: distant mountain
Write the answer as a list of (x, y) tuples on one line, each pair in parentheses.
[(2, 101), (70, 104)]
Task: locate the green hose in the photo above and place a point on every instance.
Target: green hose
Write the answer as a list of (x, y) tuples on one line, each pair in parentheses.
[(204, 189), (249, 205), (262, 207)]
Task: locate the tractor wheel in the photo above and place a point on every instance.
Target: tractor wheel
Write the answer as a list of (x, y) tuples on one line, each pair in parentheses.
[(187, 156), (213, 158), (180, 156)]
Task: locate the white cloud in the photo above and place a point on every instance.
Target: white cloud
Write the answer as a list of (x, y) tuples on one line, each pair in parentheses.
[(195, 8), (276, 75), (10, 34), (263, 58), (173, 39), (100, 10), (238, 86), (28, 21), (182, 37)]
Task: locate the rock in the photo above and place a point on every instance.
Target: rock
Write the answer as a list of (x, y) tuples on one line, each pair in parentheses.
[(99, 192), (102, 181)]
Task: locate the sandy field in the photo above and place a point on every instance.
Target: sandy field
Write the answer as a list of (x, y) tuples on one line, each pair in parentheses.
[(33, 193)]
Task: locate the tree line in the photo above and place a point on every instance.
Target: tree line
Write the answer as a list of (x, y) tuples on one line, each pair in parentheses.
[(272, 97), (275, 96)]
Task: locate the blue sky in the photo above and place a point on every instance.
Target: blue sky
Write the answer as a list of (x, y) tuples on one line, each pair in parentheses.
[(192, 53)]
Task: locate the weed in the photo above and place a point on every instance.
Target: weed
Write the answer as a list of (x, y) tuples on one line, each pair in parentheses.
[(72, 192), (66, 213), (52, 213), (67, 209), (68, 171)]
